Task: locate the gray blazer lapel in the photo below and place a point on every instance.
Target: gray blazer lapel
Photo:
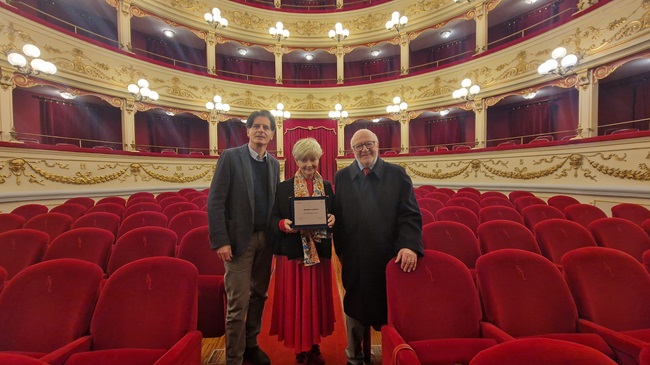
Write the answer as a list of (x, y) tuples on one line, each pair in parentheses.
[(247, 171)]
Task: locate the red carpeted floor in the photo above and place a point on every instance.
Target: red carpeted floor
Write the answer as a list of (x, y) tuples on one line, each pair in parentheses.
[(332, 347)]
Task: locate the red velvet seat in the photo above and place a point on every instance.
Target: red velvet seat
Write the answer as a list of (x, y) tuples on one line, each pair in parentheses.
[(464, 202), (495, 200), (620, 234), (15, 359), (141, 199), (166, 194), (541, 351), (88, 244), (632, 212), (499, 234), (141, 207), (104, 220), (72, 209), (51, 223), (86, 202), (562, 201), (9, 221), (538, 213), (442, 197), (195, 248), (3, 277), (200, 200), (47, 306), (516, 194), (146, 314), (21, 248), (611, 290), (494, 194), (644, 357), (427, 216), (29, 211), (171, 200), (459, 214), (428, 188), (173, 209), (112, 199), (187, 221), (584, 214), (185, 191), (526, 201), (445, 331), (646, 260), (432, 205), (525, 295), (140, 243), (452, 238), (471, 190), (192, 194), (495, 212), (450, 192), (559, 236), (140, 194), (469, 195), (142, 219), (112, 208), (646, 226)]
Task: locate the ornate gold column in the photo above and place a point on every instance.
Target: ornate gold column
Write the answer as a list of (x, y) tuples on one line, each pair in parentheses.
[(124, 24), (481, 28), (404, 56), (213, 131), (6, 105), (277, 51), (340, 54), (279, 134), (404, 120), (480, 122), (210, 52), (128, 124), (587, 86), (341, 137)]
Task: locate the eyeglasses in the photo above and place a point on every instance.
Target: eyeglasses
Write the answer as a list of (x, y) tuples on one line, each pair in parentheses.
[(367, 145)]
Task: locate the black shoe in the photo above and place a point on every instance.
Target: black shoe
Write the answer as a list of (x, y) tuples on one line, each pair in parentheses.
[(256, 356), (302, 358), (315, 357)]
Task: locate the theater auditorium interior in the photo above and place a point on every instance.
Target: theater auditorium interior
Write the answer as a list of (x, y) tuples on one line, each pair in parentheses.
[(523, 124)]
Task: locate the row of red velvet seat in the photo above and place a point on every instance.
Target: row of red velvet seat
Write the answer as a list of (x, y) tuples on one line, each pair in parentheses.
[(63, 311), (598, 302)]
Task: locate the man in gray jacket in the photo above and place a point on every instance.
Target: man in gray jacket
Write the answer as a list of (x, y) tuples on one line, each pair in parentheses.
[(239, 207)]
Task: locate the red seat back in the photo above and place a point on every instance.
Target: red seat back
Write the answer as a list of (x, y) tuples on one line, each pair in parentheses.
[(559, 236), (21, 248), (88, 244), (500, 234), (452, 238)]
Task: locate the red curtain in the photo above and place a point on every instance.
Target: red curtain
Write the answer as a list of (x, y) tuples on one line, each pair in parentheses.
[(232, 133), (324, 131), (79, 121), (521, 120), (623, 100), (388, 134)]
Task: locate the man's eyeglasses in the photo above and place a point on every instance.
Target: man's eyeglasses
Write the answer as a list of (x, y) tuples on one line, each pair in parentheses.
[(367, 145)]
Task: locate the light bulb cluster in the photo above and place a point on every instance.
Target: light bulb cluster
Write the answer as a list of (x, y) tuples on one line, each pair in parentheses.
[(560, 63), (396, 22), (398, 106), (33, 67), (467, 91), (215, 19), (141, 91), (278, 32), (338, 33), (279, 113), (338, 113), (217, 105)]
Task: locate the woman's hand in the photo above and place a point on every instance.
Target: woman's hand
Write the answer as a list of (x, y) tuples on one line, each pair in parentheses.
[(287, 226), (330, 220)]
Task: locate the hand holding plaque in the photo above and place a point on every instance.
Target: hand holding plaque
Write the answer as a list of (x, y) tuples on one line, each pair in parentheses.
[(309, 212)]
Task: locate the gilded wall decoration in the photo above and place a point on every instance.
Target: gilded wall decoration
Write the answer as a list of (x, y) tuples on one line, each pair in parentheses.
[(40, 171), (369, 22), (248, 21), (425, 6), (310, 102), (577, 165), (309, 28), (180, 89), (371, 98), (191, 5)]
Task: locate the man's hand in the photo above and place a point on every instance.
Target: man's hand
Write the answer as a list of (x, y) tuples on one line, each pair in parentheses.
[(225, 253), (407, 259)]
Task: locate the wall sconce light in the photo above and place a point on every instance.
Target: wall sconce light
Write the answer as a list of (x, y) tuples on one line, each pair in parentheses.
[(467, 91), (278, 32), (141, 91), (374, 53), (217, 107), (67, 95), (376, 120), (279, 113), (215, 19), (169, 33), (396, 22), (445, 34), (398, 107), (560, 63), (309, 56), (338, 113), (529, 95), (338, 33), (444, 112), (33, 67), (242, 51)]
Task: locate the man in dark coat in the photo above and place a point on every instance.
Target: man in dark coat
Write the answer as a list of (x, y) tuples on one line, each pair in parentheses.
[(377, 219), (239, 208)]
